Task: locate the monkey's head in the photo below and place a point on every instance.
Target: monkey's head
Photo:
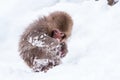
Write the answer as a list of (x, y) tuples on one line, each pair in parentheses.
[(61, 25)]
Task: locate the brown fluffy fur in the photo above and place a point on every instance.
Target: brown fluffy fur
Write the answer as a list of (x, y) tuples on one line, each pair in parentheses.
[(111, 2), (41, 30)]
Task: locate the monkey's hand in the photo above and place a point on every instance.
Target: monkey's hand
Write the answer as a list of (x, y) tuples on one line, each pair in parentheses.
[(63, 49)]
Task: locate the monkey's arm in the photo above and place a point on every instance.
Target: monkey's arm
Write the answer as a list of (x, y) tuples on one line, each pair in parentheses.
[(44, 42), (46, 51)]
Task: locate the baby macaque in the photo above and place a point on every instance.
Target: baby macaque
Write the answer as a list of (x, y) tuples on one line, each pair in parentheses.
[(43, 44)]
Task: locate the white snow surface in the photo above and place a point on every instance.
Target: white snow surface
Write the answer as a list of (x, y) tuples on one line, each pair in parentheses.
[(94, 47)]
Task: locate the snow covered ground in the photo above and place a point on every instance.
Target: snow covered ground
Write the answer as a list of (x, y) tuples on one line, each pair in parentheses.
[(94, 47)]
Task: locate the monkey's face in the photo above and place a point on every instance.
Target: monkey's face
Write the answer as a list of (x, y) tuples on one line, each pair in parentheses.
[(60, 36)]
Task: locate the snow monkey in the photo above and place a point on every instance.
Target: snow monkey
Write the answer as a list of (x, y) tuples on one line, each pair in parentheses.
[(43, 43)]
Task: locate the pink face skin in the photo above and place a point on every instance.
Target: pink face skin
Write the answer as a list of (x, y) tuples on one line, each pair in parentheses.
[(58, 35)]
